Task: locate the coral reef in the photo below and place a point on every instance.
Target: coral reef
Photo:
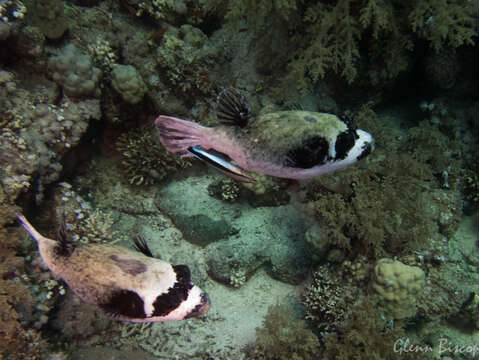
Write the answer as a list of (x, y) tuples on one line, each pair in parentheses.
[(284, 337), (126, 80), (327, 299), (343, 203), (182, 11), (225, 189), (364, 335), (471, 190), (398, 286), (144, 159), (443, 23), (188, 56), (76, 320), (16, 299), (120, 63), (84, 224), (37, 135), (333, 37), (74, 72), (48, 16)]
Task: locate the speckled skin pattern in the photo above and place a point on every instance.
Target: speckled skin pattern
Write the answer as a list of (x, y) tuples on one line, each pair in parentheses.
[(268, 143), (270, 137), (93, 270), (126, 284)]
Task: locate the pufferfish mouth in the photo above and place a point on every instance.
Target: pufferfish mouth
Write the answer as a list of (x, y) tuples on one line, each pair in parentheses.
[(366, 142), (201, 308)]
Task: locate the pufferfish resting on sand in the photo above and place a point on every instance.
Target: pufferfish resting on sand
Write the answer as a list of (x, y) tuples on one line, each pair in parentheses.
[(286, 144), (130, 286)]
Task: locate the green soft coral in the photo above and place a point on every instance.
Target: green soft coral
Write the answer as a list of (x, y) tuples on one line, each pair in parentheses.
[(335, 36), (443, 22), (284, 337)]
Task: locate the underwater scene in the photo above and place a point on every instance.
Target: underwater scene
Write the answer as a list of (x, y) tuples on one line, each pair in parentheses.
[(235, 180)]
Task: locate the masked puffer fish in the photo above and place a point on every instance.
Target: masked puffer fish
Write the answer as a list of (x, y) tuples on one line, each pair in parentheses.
[(286, 144), (128, 285)]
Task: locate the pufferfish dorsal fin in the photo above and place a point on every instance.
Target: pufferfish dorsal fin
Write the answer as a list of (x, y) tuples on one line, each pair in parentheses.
[(65, 244), (141, 245), (233, 108)]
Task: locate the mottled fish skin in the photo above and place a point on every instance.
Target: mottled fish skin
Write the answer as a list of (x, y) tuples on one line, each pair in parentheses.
[(285, 144), (128, 285)]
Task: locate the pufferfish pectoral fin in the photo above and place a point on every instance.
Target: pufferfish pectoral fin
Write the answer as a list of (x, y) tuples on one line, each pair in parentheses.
[(221, 164), (233, 108)]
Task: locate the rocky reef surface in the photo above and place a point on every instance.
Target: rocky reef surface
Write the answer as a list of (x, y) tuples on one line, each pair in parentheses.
[(369, 262)]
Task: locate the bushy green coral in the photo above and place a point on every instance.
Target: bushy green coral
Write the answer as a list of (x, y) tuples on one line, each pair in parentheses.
[(443, 22), (180, 11), (16, 341), (380, 210), (144, 159), (365, 335), (335, 36), (284, 337)]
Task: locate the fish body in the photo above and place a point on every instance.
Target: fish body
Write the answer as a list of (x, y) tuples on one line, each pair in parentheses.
[(287, 144), (129, 285)]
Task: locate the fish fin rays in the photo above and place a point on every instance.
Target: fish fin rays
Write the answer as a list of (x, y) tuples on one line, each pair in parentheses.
[(65, 244), (233, 108), (141, 245)]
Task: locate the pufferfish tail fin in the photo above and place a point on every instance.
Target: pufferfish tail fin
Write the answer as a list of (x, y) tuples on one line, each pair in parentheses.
[(63, 245), (178, 135), (29, 228)]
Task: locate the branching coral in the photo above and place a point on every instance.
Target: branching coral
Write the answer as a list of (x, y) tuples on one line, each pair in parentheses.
[(283, 337), (144, 159), (15, 341), (381, 210), (364, 335), (327, 299), (443, 22), (180, 11), (84, 224), (35, 135), (335, 36)]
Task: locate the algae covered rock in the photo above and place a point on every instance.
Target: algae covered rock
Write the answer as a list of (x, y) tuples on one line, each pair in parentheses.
[(238, 239), (201, 230), (398, 285)]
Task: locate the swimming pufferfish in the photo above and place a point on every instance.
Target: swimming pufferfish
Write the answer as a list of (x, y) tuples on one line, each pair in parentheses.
[(286, 144), (128, 285)]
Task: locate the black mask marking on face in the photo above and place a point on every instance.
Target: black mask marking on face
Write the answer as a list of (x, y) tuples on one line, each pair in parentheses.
[(344, 142), (200, 308), (169, 301), (312, 151), (125, 303)]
